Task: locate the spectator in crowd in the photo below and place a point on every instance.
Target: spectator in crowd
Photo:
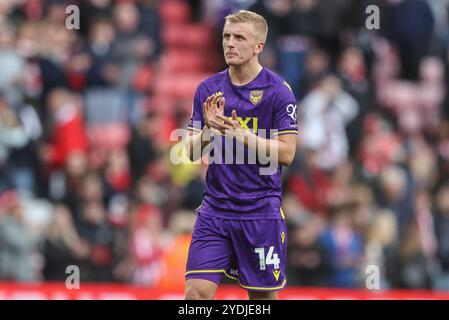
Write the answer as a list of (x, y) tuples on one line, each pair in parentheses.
[(63, 246), (409, 24), (380, 146), (150, 24), (141, 148), (310, 184), (131, 46), (12, 135), (441, 224), (94, 228), (90, 10), (342, 248), (117, 176), (326, 111), (194, 190), (353, 74), (381, 247), (413, 265), (68, 134), (103, 71), (396, 195), (17, 244), (316, 66), (176, 249), (147, 245), (12, 65), (306, 254)]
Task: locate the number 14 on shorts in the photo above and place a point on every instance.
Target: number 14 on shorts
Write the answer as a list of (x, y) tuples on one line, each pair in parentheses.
[(270, 258)]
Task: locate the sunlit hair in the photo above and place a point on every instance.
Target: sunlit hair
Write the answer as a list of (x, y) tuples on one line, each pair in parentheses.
[(260, 24)]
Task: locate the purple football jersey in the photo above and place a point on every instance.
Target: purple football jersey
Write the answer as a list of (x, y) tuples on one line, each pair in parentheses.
[(238, 190)]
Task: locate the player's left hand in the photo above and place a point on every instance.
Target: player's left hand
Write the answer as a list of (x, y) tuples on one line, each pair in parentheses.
[(228, 127)]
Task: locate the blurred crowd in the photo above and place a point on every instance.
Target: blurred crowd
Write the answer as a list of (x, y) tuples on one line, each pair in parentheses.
[(86, 117)]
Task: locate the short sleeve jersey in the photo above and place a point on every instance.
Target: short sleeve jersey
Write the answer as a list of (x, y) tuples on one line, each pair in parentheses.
[(265, 106)]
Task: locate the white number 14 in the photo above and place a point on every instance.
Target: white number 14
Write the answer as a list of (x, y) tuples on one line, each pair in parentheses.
[(269, 259)]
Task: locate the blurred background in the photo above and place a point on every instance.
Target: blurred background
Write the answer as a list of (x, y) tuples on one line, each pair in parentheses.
[(86, 117)]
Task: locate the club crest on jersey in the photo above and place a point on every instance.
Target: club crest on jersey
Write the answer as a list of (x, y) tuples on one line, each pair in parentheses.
[(255, 96)]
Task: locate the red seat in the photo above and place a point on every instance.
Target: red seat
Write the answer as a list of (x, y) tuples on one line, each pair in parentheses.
[(182, 60), (167, 126), (108, 135), (169, 105), (174, 12), (189, 35), (143, 79), (181, 86), (161, 104)]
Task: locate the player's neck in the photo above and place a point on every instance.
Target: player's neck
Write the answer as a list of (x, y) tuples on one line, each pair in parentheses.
[(244, 74)]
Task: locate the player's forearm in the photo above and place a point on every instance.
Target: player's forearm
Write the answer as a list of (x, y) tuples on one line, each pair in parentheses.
[(196, 143), (285, 153)]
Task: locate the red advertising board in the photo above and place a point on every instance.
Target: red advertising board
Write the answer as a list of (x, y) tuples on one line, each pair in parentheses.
[(58, 291)]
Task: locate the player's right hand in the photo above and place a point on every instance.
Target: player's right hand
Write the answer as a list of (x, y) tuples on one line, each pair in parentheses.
[(213, 106)]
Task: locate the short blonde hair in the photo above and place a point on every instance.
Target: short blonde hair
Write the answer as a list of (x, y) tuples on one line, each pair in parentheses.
[(260, 24)]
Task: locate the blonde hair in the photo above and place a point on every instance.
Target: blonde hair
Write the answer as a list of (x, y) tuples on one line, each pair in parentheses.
[(383, 228), (259, 22)]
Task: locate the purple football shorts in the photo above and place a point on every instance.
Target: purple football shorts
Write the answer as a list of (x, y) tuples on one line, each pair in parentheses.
[(252, 252)]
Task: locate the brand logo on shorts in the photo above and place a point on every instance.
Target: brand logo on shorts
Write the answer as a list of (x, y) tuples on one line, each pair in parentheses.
[(234, 272), (255, 96), (283, 237), (276, 274)]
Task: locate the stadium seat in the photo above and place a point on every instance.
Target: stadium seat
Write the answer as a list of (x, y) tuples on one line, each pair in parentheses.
[(143, 79), (108, 135), (176, 61), (174, 12), (179, 86), (189, 60), (166, 124), (187, 36), (162, 105), (105, 105)]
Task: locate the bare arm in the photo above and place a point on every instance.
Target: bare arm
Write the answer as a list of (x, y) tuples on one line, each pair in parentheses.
[(284, 146), (197, 141)]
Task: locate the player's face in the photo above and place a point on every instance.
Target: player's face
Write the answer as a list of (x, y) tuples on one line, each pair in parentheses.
[(240, 43)]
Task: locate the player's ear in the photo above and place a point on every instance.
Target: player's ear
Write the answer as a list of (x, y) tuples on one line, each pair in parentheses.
[(259, 47)]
